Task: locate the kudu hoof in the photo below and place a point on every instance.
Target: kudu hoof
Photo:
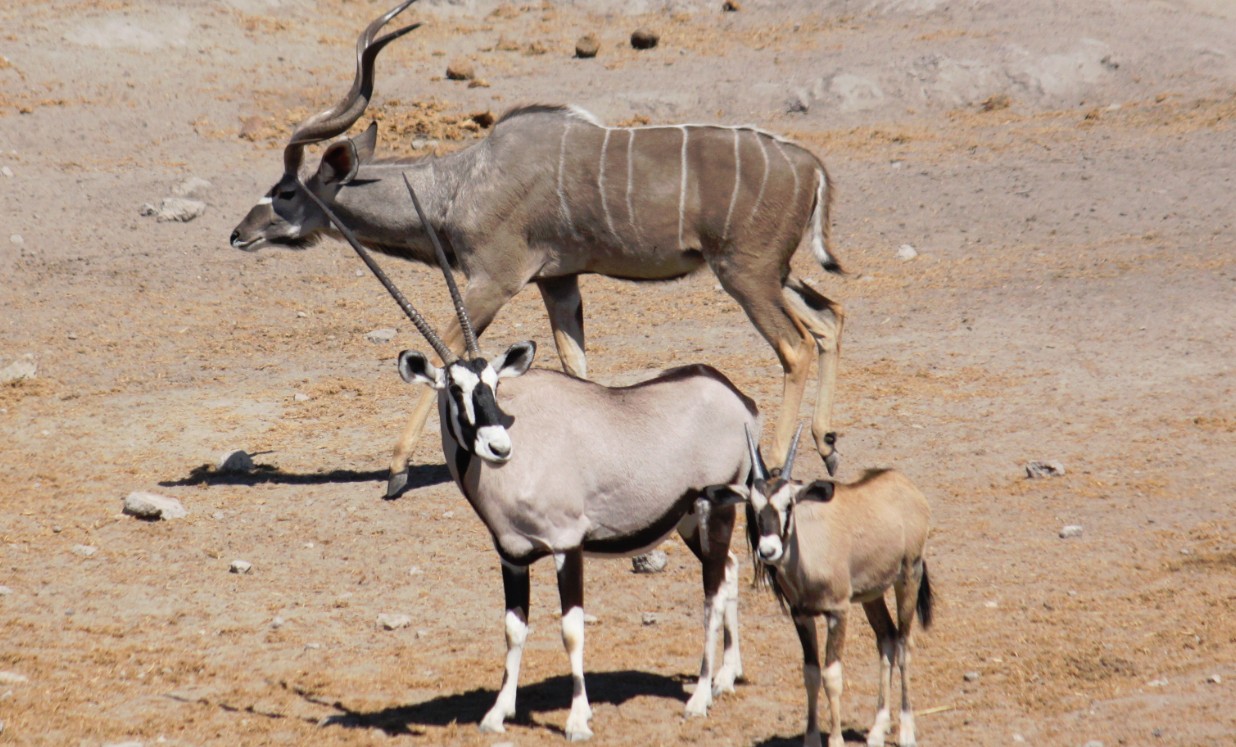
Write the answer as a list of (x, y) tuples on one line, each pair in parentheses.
[(397, 483)]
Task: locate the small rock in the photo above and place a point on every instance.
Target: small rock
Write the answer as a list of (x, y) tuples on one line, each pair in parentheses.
[(313, 647), (906, 252), (175, 209), (460, 69), (302, 315), (650, 618), (7, 172), (300, 397), (971, 676), (19, 370), (1157, 683), (1019, 739), (240, 566), (415, 571), (587, 46), (5, 591), (1036, 470), (1214, 679), (421, 143), (11, 678), (277, 623), (422, 632), (593, 620), (645, 38), (16, 239), (152, 506), (1071, 530), (1094, 743), (85, 551), (649, 562), (193, 188), (235, 461), (217, 516), (731, 6), (799, 102), (394, 622), (379, 336)]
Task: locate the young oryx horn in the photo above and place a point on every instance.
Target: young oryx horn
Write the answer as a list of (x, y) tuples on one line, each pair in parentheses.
[(430, 336), (338, 118), (474, 351), (758, 470), (793, 452)]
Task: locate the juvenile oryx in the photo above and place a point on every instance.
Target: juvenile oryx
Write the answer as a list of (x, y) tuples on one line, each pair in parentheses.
[(821, 547), (556, 465), (553, 193)]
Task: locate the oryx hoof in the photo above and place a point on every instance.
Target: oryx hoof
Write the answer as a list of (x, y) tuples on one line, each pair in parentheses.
[(396, 484), (577, 729), (492, 723), (697, 706)]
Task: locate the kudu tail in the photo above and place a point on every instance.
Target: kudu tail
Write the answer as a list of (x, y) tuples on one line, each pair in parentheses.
[(926, 599), (821, 226)]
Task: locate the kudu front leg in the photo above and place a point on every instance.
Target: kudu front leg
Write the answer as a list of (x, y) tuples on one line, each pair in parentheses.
[(516, 587), (566, 319), (571, 592), (823, 320)]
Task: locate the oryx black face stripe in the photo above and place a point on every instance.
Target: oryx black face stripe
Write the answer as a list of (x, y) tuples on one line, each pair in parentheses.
[(471, 387)]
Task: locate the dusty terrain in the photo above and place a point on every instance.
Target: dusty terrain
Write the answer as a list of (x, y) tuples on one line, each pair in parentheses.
[(1064, 171)]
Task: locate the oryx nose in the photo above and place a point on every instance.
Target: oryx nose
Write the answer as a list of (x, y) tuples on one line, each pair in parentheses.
[(502, 451), (235, 236)]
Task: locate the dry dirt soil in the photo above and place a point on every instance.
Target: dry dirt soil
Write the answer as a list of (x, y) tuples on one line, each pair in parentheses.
[(1064, 171)]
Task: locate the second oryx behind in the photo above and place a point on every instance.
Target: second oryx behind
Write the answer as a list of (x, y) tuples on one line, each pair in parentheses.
[(556, 466)]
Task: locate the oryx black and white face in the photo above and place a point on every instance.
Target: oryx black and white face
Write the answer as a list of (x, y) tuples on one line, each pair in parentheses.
[(286, 216), (470, 387)]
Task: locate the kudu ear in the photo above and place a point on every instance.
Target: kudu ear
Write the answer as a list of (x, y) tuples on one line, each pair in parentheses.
[(516, 360), (366, 143), (820, 491), (339, 163), (726, 495), (415, 368)]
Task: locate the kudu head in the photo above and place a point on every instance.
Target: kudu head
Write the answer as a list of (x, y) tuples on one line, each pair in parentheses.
[(770, 496), (285, 215)]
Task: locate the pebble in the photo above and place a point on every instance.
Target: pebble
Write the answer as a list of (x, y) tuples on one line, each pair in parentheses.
[(731, 6), (649, 562), (175, 210), (7, 172), (460, 70), (1071, 530), (394, 622), (235, 461), (379, 336), (1214, 679), (5, 591), (1156, 683), (11, 678), (645, 39), (799, 102), (906, 252), (421, 143), (16, 239), (1019, 739), (1094, 743), (593, 620), (587, 46), (971, 676), (415, 571), (19, 370), (277, 623), (240, 566), (152, 506), (1036, 470), (300, 397), (85, 551), (650, 618), (217, 516)]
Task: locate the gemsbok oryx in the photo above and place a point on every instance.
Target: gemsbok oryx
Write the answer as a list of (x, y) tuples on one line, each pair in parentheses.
[(558, 466), (825, 545), (553, 193)]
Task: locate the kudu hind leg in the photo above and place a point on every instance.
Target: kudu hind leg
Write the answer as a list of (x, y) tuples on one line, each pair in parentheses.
[(566, 319), (823, 320), (516, 587), (571, 593)]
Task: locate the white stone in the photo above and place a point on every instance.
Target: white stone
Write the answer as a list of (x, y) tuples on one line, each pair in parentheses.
[(5, 591), (19, 370), (650, 618), (906, 252), (16, 239), (7, 172), (381, 335), (590, 619), (11, 678), (240, 566), (175, 210), (971, 676), (1036, 470), (152, 506), (650, 562), (1071, 530), (1214, 679), (393, 622), (85, 551), (300, 397)]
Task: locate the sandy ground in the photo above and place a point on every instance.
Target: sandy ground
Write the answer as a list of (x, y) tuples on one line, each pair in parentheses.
[(1065, 173)]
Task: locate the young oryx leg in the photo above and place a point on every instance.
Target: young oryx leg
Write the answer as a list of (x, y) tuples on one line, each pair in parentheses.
[(805, 625), (516, 588), (482, 301), (718, 568), (762, 297), (907, 598), (571, 592), (832, 675), (566, 319), (886, 645), (824, 320)]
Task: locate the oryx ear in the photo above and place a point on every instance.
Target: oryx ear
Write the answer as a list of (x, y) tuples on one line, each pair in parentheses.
[(415, 368), (820, 491), (516, 360), (366, 142), (339, 163), (726, 495)]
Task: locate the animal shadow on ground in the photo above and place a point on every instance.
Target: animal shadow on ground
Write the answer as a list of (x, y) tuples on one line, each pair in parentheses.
[(262, 474), (469, 708), (849, 735)]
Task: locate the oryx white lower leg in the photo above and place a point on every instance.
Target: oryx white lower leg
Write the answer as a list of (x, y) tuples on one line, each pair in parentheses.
[(504, 707), (731, 660), (573, 639), (701, 699)]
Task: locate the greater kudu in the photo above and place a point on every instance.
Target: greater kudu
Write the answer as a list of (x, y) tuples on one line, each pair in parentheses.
[(825, 545), (556, 465), (552, 194)]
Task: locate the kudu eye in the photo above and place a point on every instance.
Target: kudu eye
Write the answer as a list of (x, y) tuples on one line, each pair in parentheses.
[(285, 194)]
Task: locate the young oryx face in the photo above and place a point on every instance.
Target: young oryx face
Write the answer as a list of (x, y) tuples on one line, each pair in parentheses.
[(470, 387), (769, 505)]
